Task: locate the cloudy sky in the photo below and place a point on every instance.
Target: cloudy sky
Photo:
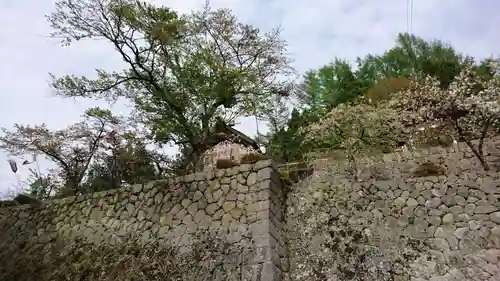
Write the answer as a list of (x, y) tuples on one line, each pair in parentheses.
[(317, 31)]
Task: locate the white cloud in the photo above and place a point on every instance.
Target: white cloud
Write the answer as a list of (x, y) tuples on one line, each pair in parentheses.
[(317, 32)]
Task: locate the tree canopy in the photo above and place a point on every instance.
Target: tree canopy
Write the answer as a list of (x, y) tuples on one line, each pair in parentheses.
[(181, 71), (351, 106), (101, 152)]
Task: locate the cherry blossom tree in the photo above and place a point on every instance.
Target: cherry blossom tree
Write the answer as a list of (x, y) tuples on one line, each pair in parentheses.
[(103, 151), (355, 128), (422, 114), (468, 109)]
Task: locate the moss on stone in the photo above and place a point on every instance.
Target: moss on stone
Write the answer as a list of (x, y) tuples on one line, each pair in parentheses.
[(225, 163), (252, 158)]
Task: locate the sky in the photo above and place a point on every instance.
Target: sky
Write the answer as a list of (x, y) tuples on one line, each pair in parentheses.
[(317, 31)]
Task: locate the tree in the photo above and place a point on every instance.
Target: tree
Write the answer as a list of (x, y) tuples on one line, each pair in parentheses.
[(377, 76), (41, 185), (181, 71), (412, 56), (385, 88), (71, 149), (469, 108), (285, 142), (329, 86), (355, 128), (276, 117), (101, 152), (421, 114), (124, 161)]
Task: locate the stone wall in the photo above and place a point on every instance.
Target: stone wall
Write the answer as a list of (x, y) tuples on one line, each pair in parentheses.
[(244, 205), (380, 222), (372, 221)]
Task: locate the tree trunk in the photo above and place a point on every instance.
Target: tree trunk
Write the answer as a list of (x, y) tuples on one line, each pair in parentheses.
[(478, 153)]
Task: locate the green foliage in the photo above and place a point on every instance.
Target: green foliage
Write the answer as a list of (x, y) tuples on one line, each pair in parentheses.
[(126, 161), (374, 79), (181, 71), (101, 152), (415, 113), (338, 82), (286, 144), (413, 56), (355, 128), (329, 86)]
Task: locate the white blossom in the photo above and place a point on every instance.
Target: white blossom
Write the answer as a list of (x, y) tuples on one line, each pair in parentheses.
[(418, 115)]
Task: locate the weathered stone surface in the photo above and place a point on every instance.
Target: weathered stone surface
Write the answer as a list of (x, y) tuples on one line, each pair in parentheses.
[(172, 214), (485, 209), (252, 179), (411, 202), (440, 191), (452, 216), (495, 217), (461, 232), (469, 209), (228, 206), (433, 203), (448, 219), (400, 201), (211, 208)]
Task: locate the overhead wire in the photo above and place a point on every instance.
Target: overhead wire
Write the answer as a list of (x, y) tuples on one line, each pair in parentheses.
[(407, 16), (411, 17), (409, 32)]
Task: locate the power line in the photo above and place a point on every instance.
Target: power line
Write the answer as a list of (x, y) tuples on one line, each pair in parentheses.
[(409, 16), (409, 30)]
